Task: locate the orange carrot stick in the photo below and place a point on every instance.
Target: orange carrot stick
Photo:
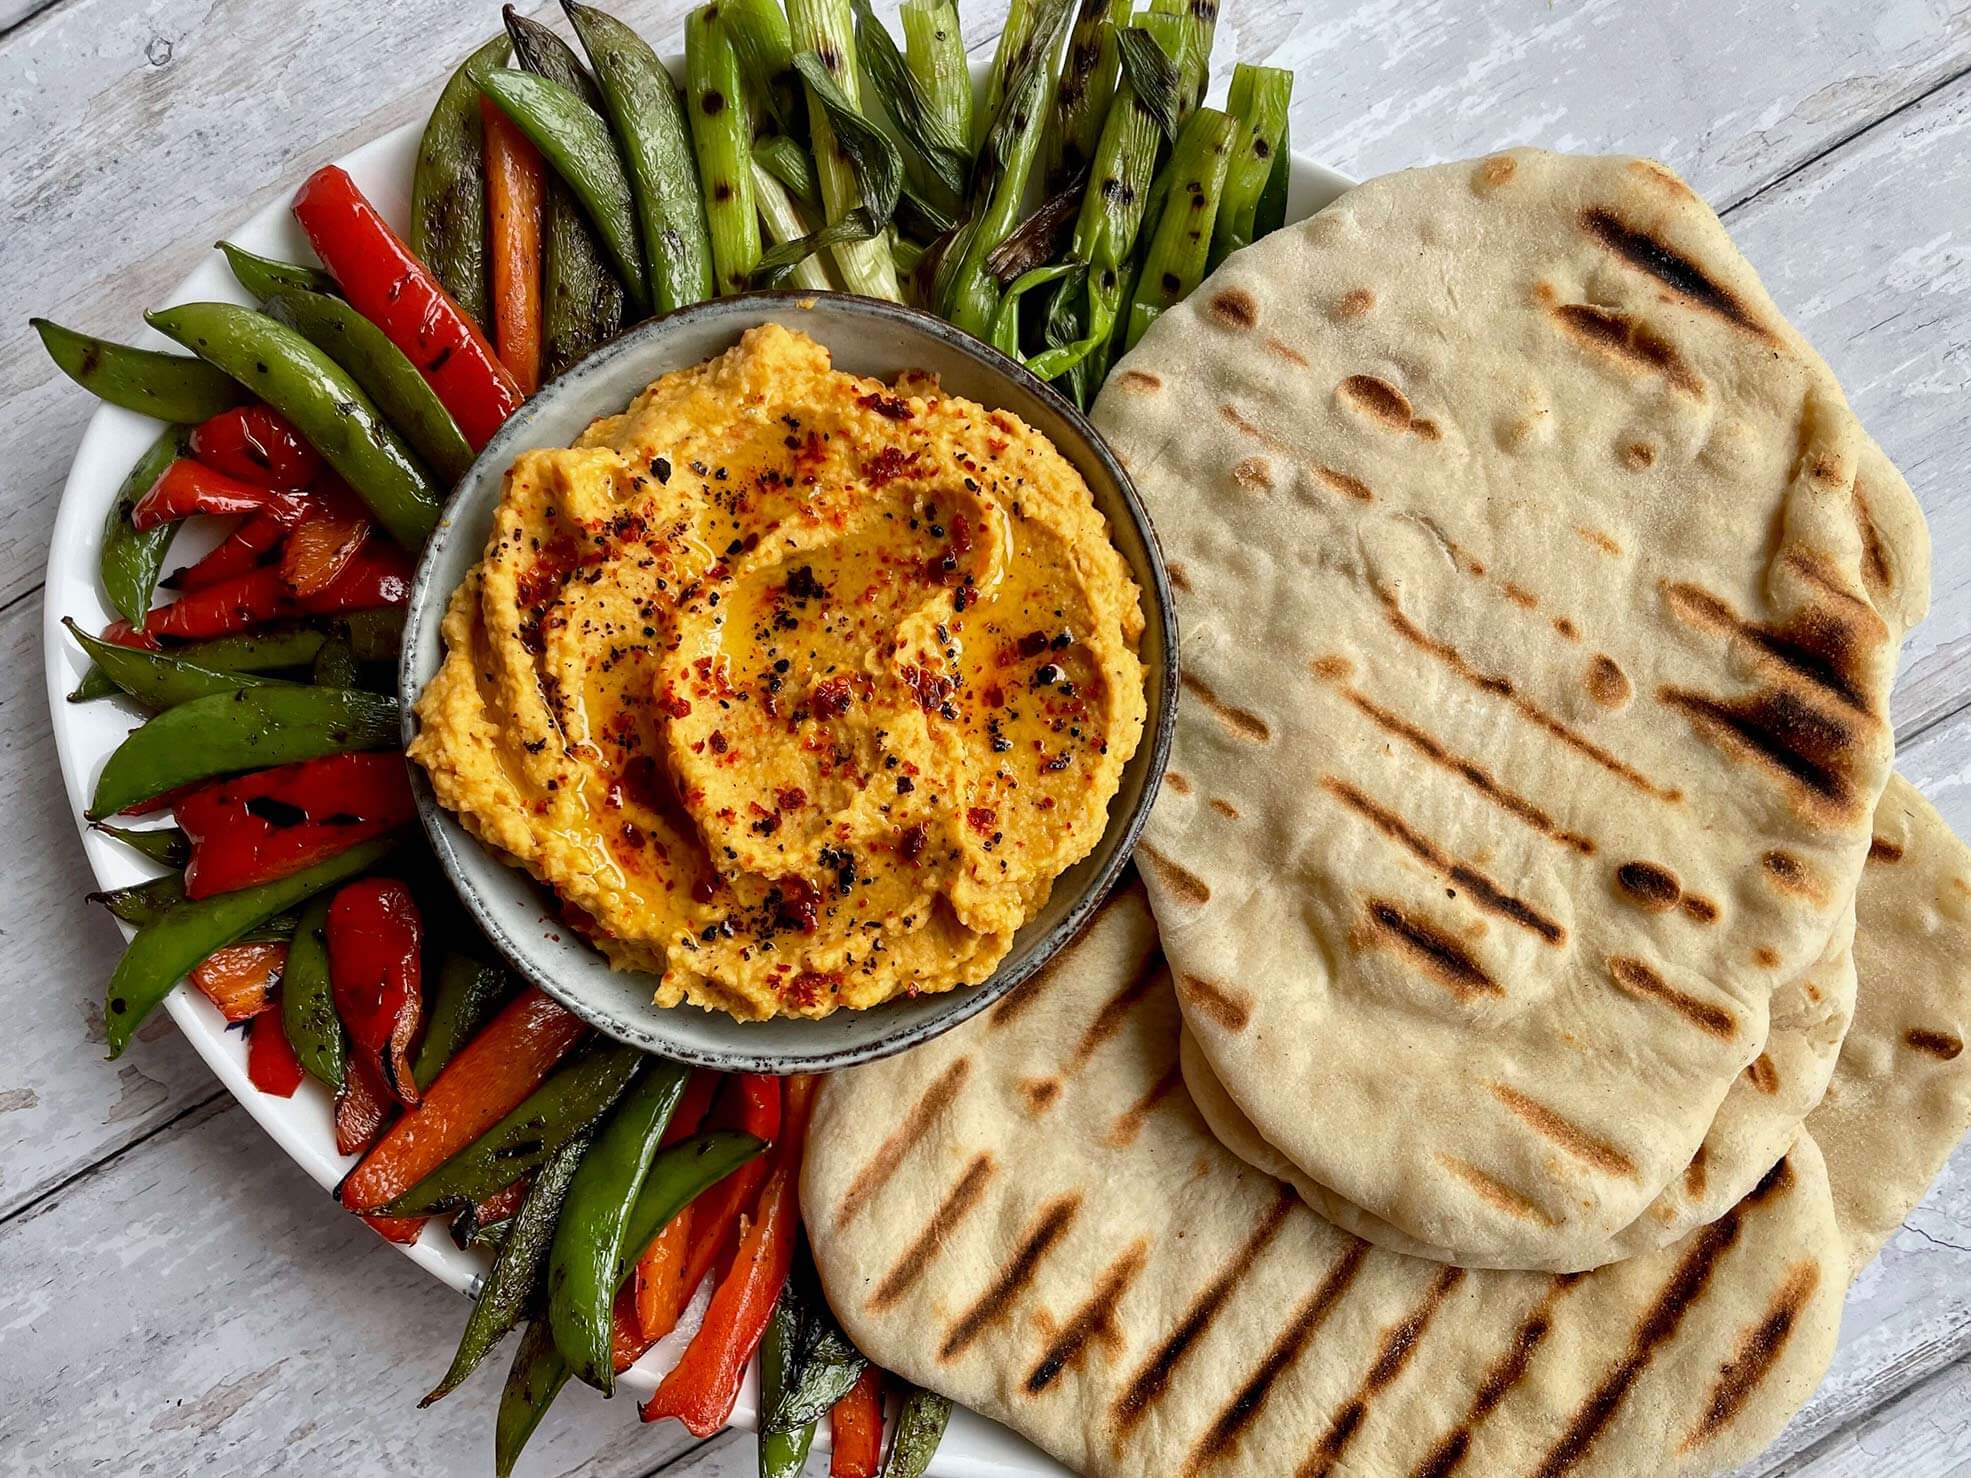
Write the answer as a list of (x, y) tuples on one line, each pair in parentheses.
[(855, 1428), (515, 183)]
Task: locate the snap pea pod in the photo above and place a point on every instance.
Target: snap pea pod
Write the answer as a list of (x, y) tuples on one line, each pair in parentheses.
[(515, 1276), (581, 300), (921, 1421), (375, 635), (167, 846), (468, 993), (323, 402), (448, 189), (647, 110), (262, 277), (537, 1376), (169, 945), (308, 1014), (96, 684), (171, 387), (567, 1104), (403, 395), (588, 1240), (246, 729), (576, 144), (335, 666), (141, 903), (130, 560), (160, 681), (782, 1454), (263, 651)]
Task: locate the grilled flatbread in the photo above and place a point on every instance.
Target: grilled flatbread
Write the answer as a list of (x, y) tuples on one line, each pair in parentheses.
[(1540, 597), (1030, 1216)]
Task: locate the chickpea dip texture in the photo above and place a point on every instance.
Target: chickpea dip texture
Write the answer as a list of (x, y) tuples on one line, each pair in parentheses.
[(797, 689)]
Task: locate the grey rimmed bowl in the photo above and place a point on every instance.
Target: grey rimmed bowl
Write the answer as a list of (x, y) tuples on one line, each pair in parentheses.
[(865, 337)]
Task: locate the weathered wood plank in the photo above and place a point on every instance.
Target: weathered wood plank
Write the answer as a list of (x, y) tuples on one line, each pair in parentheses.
[(1925, 1433)]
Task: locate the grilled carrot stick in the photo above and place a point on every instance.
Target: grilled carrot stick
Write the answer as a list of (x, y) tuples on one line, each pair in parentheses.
[(516, 184)]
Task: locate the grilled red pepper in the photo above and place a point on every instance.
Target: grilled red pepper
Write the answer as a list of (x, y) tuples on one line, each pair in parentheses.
[(233, 556), (240, 978), (256, 444), (229, 606), (378, 574), (855, 1428), (251, 829), (187, 487), (376, 975), (270, 1060), (702, 1389), (361, 1107), (751, 1101), (325, 541), (388, 285), (123, 634)]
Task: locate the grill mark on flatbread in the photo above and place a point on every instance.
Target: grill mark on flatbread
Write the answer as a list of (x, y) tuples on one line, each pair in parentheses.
[(1225, 808), (1502, 687), (1818, 647), (1306, 1322), (1040, 1093), (1570, 1136), (1240, 722), (1815, 570), (1638, 979), (1177, 781), (1381, 401), (1495, 1192), (1794, 743), (1238, 421), (1650, 887), (1625, 340), (958, 1203), (1254, 474), (1108, 1021), (1758, 1351), (1699, 908), (1877, 573), (1354, 303), (1791, 875), (998, 1299), (883, 1164), (1506, 1372), (1480, 889), (1942, 1044), (1286, 351), (1761, 1074), (1696, 1175), (1180, 578), (1093, 1321), (1468, 771), (1123, 1132), (1141, 382), (1221, 1005), (1232, 307), (1600, 540), (1688, 1284), (1607, 683), (1147, 1386), (1881, 849), (1348, 487), (1675, 271), (1399, 1344), (1180, 880), (1442, 958)]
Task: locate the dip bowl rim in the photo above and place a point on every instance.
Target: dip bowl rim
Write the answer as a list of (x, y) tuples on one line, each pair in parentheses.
[(920, 1019)]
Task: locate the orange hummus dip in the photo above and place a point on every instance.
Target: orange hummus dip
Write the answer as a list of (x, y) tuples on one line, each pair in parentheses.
[(799, 690)]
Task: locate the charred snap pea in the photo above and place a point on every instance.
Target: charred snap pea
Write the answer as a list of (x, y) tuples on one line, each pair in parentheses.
[(516, 1273), (783, 1454), (181, 936), (821, 1363), (448, 190), (165, 845), (246, 729), (159, 681), (576, 144), (168, 386), (262, 277), (95, 684), (335, 666), (263, 651), (567, 1104), (537, 1376), (131, 560), (921, 1421), (403, 395), (323, 402), (308, 1016), (145, 902), (375, 635), (468, 993), (588, 1240)]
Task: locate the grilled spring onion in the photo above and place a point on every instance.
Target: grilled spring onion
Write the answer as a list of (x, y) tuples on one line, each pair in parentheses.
[(1272, 211), (757, 30), (784, 223), (1194, 61), (1258, 100), (939, 160), (1022, 16), (789, 163), (1181, 242), (827, 28), (934, 50), (721, 131), (1086, 88)]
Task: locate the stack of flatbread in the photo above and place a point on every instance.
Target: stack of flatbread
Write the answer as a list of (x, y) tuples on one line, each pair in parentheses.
[(1542, 998)]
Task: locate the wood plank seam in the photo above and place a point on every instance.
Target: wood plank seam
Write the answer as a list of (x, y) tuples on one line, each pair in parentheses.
[(97, 1167)]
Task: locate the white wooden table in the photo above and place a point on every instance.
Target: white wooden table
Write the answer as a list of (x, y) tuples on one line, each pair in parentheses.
[(174, 1295)]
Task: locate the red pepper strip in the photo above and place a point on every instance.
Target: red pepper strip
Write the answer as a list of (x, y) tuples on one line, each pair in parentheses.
[(486, 1081), (501, 1205), (388, 285), (230, 606), (270, 1061), (375, 938), (256, 443), (325, 542), (751, 1101), (855, 1428), (400, 1229), (627, 1341), (123, 634), (360, 1108), (159, 802), (702, 1389), (252, 829), (187, 487), (233, 556), (239, 979), (379, 574)]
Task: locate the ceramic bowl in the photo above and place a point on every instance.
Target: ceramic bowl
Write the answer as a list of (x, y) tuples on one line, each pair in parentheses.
[(865, 337)]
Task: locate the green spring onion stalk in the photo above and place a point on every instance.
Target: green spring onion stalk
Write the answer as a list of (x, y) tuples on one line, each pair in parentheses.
[(781, 216), (1181, 242), (722, 131), (1259, 98), (967, 293), (826, 28), (759, 35), (934, 50), (1087, 87), (1272, 211), (792, 165), (939, 160), (1015, 39), (1194, 62)]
